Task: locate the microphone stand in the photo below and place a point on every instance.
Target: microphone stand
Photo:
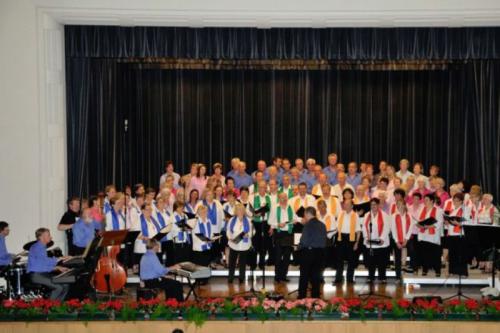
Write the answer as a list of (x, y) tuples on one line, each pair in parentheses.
[(459, 293), (371, 293)]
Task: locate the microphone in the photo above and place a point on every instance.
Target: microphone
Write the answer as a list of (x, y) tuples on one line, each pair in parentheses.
[(126, 124)]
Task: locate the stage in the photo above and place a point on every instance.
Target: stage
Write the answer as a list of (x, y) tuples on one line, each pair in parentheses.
[(256, 326)]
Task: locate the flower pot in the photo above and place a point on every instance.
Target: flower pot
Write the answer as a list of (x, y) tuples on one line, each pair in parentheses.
[(489, 317), (326, 316), (63, 316), (87, 316)]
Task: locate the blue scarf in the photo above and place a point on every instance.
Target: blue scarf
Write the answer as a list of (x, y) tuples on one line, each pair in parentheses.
[(161, 222), (189, 209), (206, 232), (246, 227), (114, 216), (144, 227), (180, 234), (212, 212), (107, 207)]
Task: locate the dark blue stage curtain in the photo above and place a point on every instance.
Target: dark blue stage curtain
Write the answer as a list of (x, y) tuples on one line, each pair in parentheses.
[(448, 117)]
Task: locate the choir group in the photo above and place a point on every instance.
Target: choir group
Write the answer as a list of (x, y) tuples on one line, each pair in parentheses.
[(253, 220)]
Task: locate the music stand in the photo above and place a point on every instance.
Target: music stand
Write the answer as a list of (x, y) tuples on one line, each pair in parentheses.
[(489, 235), (462, 235)]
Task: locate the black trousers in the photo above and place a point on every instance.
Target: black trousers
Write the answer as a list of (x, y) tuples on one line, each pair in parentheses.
[(172, 288), (345, 252), (242, 263), (411, 248), (182, 252), (457, 255), (377, 260), (281, 261), (397, 258), (202, 258), (311, 265), (429, 255), (261, 243), (167, 250)]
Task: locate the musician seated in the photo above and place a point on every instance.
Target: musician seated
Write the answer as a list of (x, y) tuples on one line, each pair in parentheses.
[(5, 256), (41, 266), (83, 231), (153, 273)]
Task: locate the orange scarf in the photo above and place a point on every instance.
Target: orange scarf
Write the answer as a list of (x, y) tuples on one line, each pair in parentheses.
[(352, 227)]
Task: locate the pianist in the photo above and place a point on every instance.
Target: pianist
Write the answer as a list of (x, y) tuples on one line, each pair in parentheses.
[(153, 273), (41, 267)]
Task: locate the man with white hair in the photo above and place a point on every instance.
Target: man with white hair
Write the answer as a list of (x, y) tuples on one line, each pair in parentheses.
[(331, 169), (235, 162), (241, 178), (262, 167), (341, 185), (403, 172)]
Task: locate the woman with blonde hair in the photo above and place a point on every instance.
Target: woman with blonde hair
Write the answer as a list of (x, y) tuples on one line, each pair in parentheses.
[(239, 234)]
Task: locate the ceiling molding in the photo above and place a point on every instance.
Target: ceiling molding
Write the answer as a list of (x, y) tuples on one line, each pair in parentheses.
[(186, 14)]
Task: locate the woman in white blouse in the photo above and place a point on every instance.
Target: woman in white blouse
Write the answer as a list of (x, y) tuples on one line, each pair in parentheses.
[(239, 234)]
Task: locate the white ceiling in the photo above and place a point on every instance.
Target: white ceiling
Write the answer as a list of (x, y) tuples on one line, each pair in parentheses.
[(274, 13)]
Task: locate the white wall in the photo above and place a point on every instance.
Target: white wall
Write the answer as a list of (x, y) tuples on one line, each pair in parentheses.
[(19, 121), (32, 122)]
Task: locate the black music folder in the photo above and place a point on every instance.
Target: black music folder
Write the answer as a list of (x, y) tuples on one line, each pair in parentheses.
[(183, 225), (262, 210), (316, 196), (190, 215), (375, 241), (131, 237), (239, 238), (362, 207), (450, 218), (429, 221), (300, 212), (206, 239), (227, 215)]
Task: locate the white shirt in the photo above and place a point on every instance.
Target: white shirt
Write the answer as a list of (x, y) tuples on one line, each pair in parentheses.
[(176, 176), (332, 229), (219, 213), (134, 218), (263, 202), (374, 234), (166, 218), (346, 223), (486, 215), (333, 206), (197, 242), (109, 221), (404, 176), (465, 214), (297, 201), (242, 245), (427, 236), (337, 190), (407, 232), (273, 218), (179, 236), (140, 245)]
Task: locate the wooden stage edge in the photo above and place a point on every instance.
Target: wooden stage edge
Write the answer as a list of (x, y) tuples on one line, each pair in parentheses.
[(254, 326)]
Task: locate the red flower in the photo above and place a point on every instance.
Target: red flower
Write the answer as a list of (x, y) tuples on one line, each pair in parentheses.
[(404, 303), (472, 304)]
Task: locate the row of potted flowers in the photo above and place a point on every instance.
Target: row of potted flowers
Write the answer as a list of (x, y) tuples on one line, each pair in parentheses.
[(249, 309)]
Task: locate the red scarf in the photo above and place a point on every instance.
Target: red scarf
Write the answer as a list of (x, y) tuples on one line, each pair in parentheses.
[(492, 211), (399, 227), (448, 207), (432, 230), (393, 208), (380, 222), (456, 228)]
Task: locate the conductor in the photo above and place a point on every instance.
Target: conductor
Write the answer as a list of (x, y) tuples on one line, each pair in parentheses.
[(311, 247)]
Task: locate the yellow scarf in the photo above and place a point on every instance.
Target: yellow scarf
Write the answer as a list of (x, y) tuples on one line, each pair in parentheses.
[(297, 203), (356, 201), (352, 227)]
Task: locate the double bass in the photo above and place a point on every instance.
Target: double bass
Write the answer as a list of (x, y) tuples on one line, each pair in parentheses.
[(109, 275)]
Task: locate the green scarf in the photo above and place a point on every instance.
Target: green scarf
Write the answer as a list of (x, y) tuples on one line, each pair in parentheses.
[(289, 192), (256, 205), (290, 218)]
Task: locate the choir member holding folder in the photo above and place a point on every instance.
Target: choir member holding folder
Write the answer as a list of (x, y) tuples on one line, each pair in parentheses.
[(181, 233), (457, 245), (430, 226), (239, 234)]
